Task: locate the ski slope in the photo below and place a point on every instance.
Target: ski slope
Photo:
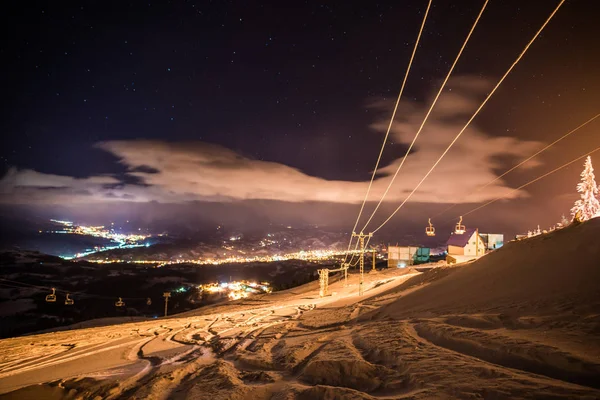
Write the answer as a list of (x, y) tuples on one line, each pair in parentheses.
[(521, 322)]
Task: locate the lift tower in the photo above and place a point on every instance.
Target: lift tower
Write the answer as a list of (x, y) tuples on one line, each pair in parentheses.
[(323, 282), (374, 260), (345, 266), (166, 295), (324, 278), (361, 239)]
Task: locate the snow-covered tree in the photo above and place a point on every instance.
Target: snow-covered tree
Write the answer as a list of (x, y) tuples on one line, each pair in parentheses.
[(564, 221), (588, 205)]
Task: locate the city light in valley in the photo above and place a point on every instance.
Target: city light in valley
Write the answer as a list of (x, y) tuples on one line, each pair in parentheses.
[(311, 255), (236, 290), (131, 240), (122, 240)]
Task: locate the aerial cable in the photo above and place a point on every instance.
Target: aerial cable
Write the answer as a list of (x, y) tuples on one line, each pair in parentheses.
[(26, 284), (390, 124), (473, 116), (521, 163), (83, 294), (358, 259), (428, 113), (348, 250), (30, 286), (389, 128), (533, 181), (16, 287), (353, 254)]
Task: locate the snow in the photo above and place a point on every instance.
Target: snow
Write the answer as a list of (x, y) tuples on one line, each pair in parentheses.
[(588, 206), (537, 274), (521, 322)]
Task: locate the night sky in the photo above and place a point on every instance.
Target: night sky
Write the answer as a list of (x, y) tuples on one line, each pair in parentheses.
[(276, 110)]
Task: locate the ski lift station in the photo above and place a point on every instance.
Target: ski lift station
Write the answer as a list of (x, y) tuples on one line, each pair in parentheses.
[(404, 256), (492, 241)]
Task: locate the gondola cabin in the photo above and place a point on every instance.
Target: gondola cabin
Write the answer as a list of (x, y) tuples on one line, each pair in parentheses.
[(51, 298), (460, 228), (430, 230)]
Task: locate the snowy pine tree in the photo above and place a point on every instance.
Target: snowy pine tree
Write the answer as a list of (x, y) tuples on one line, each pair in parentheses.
[(588, 204)]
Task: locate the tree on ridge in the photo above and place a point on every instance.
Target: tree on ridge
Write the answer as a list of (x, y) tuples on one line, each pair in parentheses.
[(588, 205)]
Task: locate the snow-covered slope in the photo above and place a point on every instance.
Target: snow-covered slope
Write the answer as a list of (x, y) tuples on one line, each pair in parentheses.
[(550, 274), (522, 322)]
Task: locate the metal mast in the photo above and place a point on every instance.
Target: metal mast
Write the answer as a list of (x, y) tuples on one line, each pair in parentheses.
[(166, 295), (361, 240)]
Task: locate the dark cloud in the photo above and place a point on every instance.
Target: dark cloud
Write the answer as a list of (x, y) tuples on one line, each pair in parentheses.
[(146, 169)]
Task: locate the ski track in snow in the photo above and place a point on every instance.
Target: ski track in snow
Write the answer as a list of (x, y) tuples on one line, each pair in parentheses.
[(386, 344)]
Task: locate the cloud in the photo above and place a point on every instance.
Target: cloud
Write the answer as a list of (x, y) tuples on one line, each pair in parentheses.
[(29, 186), (197, 171), (29, 178)]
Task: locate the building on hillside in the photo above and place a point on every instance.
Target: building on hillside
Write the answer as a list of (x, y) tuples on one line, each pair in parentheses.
[(468, 246), (492, 241), (403, 256)]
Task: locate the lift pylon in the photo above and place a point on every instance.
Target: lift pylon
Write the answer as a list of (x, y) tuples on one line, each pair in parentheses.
[(374, 260), (324, 278), (345, 266), (323, 282), (361, 239), (166, 295)]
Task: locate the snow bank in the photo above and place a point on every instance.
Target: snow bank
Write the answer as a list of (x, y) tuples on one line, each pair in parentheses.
[(544, 275), (339, 364)]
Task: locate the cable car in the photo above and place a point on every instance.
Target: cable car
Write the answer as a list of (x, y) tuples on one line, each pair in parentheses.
[(120, 303), (148, 301), (430, 230), (460, 229), (51, 298), (69, 301)]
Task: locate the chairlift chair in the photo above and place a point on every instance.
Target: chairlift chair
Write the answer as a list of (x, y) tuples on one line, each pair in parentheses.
[(430, 230), (51, 298), (69, 301), (120, 303), (460, 229)]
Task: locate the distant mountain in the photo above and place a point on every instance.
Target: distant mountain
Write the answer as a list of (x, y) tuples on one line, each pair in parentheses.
[(16, 257)]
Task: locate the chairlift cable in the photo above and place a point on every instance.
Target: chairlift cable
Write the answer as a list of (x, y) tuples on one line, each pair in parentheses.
[(521, 163), (427, 115), (533, 181), (389, 127), (473, 116), (82, 294)]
